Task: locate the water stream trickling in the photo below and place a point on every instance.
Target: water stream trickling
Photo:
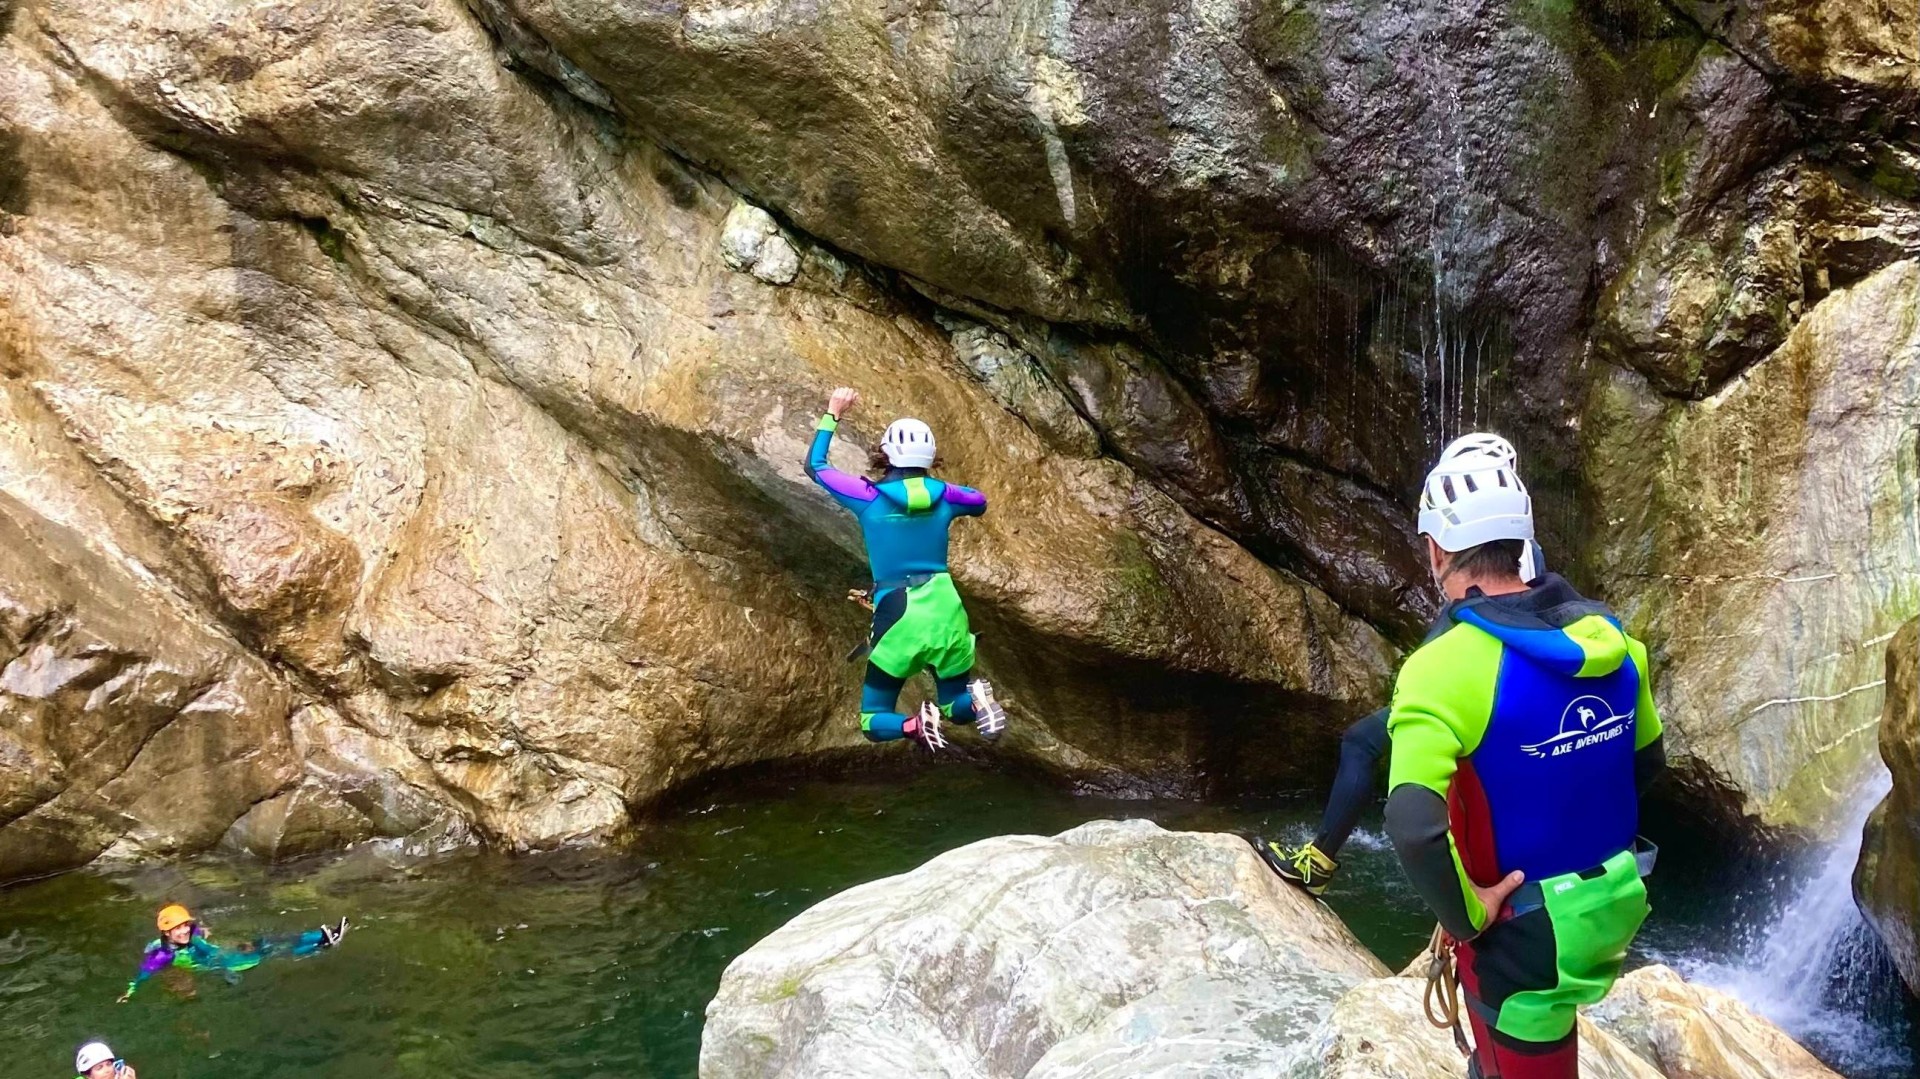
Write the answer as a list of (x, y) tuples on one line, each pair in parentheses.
[(1805, 958)]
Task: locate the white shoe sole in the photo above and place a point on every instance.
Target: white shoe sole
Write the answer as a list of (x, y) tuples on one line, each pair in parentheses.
[(989, 718), (930, 735)]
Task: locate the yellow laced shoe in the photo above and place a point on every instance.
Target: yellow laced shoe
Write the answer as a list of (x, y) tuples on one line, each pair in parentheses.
[(1307, 868)]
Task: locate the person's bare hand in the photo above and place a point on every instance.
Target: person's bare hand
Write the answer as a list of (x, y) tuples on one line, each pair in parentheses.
[(843, 398), (1495, 898)]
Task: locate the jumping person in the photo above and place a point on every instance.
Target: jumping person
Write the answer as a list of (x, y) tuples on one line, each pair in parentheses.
[(1523, 734), (1311, 867), (183, 944), (96, 1061), (918, 620)]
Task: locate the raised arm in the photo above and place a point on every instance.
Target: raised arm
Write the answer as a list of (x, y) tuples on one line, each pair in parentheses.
[(853, 492)]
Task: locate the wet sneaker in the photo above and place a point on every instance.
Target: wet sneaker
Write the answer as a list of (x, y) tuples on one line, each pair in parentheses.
[(333, 933), (1307, 868), (924, 728), (990, 717)]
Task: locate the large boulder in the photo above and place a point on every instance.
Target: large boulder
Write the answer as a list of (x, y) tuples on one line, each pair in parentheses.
[(1094, 952), (1887, 879), (1118, 949), (1653, 1023), (1686, 1030), (1380, 1031)]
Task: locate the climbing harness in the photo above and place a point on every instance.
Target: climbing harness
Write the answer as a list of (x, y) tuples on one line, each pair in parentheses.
[(1442, 999)]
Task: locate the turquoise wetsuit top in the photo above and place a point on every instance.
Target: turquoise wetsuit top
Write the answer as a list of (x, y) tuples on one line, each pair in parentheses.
[(904, 517), (202, 954)]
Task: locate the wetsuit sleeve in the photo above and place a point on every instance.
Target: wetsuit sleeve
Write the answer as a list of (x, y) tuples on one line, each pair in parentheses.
[(1646, 720), (966, 501), (853, 492), (1649, 737), (155, 961), (1438, 716)]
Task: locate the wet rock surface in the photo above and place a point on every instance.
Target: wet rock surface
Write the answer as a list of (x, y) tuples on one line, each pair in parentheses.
[(1120, 949), (1114, 945), (452, 363), (1887, 879), (438, 403), (1777, 552)]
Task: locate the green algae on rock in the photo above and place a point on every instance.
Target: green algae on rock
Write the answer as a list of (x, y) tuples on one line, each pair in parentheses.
[(1766, 540)]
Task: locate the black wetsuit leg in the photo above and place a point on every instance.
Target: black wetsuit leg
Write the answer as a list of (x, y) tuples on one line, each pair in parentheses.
[(1355, 785)]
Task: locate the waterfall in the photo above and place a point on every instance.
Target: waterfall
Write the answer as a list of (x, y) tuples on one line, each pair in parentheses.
[(1813, 965)]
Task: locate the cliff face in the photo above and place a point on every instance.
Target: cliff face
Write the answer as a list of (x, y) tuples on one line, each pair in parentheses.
[(404, 398), (1887, 880)]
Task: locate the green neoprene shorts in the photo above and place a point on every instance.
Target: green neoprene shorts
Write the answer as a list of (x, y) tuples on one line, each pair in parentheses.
[(1591, 923), (931, 632)]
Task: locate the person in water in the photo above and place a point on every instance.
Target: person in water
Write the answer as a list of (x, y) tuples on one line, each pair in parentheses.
[(1523, 733), (96, 1061), (183, 945), (1312, 866), (919, 622)]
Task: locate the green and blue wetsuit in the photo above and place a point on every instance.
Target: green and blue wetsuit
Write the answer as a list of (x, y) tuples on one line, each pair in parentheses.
[(201, 954), (918, 620), (1522, 735)]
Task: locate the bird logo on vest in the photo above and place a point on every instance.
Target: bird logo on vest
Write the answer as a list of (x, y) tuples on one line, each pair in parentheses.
[(1587, 721)]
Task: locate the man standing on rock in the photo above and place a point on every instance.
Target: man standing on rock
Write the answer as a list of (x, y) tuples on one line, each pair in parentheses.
[(1311, 867), (918, 620), (1523, 732)]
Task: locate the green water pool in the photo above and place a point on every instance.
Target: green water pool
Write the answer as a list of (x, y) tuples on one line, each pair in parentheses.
[(583, 964)]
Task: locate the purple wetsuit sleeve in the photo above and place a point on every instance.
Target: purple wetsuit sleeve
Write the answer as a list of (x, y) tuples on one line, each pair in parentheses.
[(155, 961), (853, 492), (966, 501)]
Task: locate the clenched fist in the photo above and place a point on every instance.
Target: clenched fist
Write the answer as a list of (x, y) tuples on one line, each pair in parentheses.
[(843, 398)]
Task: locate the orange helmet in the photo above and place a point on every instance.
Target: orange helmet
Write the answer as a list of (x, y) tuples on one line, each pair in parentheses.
[(172, 916)]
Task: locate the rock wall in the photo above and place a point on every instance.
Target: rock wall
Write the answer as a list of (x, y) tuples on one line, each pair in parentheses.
[(447, 365), (421, 403), (1887, 880), (1779, 550)]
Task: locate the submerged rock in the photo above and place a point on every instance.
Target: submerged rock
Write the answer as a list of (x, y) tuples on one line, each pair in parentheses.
[(1089, 953), (1118, 949), (1887, 880)]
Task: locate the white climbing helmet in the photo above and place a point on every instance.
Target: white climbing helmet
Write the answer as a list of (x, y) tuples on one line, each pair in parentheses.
[(908, 443), (90, 1056), (1481, 442), (1474, 496)]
